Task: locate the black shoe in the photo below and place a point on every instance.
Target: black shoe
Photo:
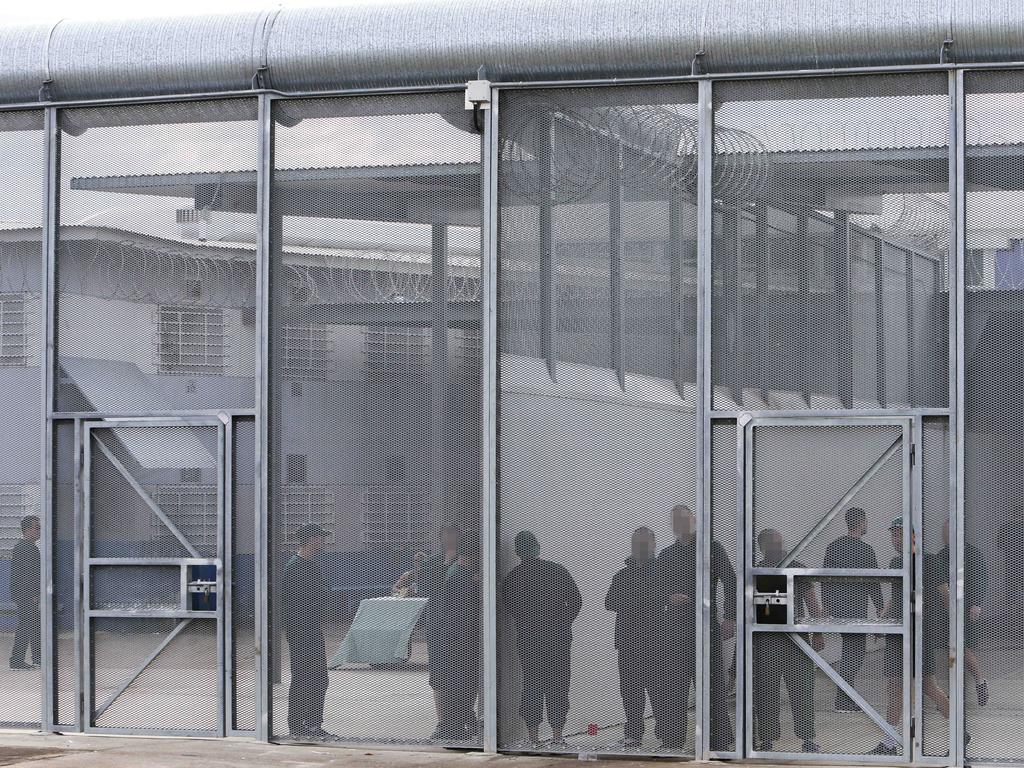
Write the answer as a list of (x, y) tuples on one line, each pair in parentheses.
[(811, 746), (319, 734), (982, 691), (882, 749)]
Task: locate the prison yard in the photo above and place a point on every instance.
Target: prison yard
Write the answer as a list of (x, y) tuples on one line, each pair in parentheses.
[(632, 380)]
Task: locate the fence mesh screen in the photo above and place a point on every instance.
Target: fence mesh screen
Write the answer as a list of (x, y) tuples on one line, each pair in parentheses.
[(376, 420), (156, 269), (146, 671), (830, 240), (243, 578), (803, 513), (21, 214), (994, 321), (597, 295)]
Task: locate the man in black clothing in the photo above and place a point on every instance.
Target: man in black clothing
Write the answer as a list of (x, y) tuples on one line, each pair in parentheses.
[(430, 581), (847, 599), (453, 612), (543, 601), (633, 596), (975, 587), (777, 658), (676, 575), (304, 600), (25, 588)]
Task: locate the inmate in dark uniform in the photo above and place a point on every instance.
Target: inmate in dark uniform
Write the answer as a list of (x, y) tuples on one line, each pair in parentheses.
[(25, 596), (633, 596), (453, 614), (893, 662), (778, 659), (847, 599), (975, 586), (304, 598), (676, 574), (543, 601)]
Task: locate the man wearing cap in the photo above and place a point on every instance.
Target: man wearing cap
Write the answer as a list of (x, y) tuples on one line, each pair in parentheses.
[(543, 601), (304, 600), (847, 599)]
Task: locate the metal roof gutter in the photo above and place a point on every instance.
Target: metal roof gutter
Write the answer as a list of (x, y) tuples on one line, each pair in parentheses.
[(444, 42)]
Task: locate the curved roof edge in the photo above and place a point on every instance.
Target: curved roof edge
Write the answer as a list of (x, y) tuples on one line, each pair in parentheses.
[(446, 41)]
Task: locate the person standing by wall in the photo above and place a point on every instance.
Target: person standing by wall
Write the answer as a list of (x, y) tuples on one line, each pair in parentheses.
[(25, 589), (543, 601)]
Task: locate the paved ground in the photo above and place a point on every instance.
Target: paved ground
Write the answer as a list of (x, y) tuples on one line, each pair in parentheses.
[(33, 749)]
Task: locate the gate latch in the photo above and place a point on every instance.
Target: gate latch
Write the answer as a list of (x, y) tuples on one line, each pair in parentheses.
[(202, 587)]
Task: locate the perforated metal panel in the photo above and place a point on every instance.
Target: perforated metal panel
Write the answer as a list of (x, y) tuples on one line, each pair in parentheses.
[(156, 268), (376, 420), (153, 580), (830, 238), (597, 326), (994, 318), (828, 562), (21, 213)]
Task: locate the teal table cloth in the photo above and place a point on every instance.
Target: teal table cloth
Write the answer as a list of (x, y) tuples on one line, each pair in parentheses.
[(380, 631)]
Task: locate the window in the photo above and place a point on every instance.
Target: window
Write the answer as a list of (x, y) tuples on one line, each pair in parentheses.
[(191, 475), (306, 351), (309, 504), (393, 515), (191, 340), (192, 509), (13, 507), (391, 349), (13, 330)]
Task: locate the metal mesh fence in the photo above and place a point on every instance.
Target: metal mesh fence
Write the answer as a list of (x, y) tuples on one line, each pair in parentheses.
[(156, 269), (830, 239), (597, 292), (993, 607), (376, 420), (153, 658), (244, 593), (828, 497), (21, 213)]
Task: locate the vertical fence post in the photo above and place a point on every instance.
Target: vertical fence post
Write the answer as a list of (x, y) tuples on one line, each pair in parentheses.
[(956, 410), (489, 347), (51, 188), (705, 221), (263, 556)]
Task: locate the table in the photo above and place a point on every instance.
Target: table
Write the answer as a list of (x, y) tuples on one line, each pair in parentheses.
[(380, 631)]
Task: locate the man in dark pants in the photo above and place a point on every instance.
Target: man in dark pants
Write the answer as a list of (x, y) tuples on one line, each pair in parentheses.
[(25, 588), (777, 658), (975, 587), (675, 570), (454, 659), (543, 601), (847, 599), (633, 596), (304, 600), (430, 581)]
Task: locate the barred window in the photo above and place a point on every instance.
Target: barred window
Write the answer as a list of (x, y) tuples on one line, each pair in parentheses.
[(308, 504), (306, 351), (193, 508), (388, 349), (13, 330), (395, 515), (13, 507), (191, 340)]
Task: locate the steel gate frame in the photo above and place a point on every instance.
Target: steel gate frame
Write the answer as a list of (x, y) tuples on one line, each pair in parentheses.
[(184, 615), (746, 427)]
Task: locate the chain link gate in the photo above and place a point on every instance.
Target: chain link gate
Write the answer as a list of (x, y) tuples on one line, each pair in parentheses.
[(153, 577), (828, 519)]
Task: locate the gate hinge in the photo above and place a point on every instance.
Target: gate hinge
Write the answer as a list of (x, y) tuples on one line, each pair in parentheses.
[(913, 454)]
